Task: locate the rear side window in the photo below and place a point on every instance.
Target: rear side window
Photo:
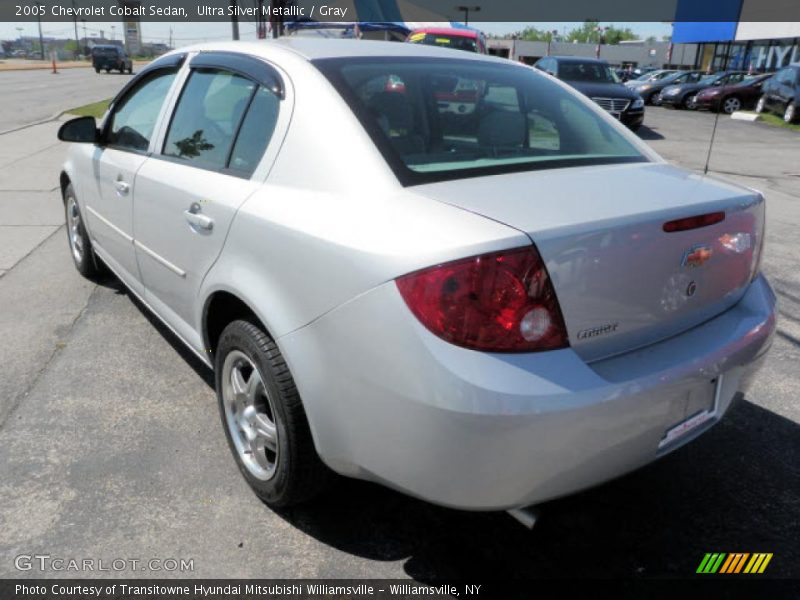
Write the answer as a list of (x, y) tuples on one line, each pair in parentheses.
[(439, 119), (256, 132), (207, 118), (134, 117)]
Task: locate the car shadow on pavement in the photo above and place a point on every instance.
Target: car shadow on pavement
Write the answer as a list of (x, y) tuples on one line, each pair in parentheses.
[(111, 282), (732, 490), (646, 133)]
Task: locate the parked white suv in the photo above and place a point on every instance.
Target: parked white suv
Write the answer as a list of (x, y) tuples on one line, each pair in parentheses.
[(484, 308)]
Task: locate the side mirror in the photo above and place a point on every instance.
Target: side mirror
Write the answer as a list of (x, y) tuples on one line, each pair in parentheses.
[(82, 130)]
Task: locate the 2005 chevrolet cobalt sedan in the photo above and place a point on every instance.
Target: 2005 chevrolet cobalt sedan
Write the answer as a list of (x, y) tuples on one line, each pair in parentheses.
[(445, 272)]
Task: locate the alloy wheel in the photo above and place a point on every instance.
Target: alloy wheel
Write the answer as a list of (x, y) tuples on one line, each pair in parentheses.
[(731, 105), (789, 114), (762, 104), (691, 102), (74, 230), (249, 415), (656, 99)]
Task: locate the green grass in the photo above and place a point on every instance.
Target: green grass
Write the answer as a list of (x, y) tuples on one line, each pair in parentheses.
[(778, 121), (96, 109)]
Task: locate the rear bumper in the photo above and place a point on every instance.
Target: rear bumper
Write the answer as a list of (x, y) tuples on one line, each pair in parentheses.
[(390, 402)]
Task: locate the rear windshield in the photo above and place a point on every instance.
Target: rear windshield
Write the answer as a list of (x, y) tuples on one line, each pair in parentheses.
[(458, 42), (104, 52), (438, 119), (586, 72)]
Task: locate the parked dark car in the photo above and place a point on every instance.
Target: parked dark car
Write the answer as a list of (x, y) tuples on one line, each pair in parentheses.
[(732, 97), (781, 94), (683, 95), (650, 90), (594, 78), (111, 58)]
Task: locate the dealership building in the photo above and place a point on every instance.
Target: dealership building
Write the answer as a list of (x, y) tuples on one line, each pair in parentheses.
[(749, 35)]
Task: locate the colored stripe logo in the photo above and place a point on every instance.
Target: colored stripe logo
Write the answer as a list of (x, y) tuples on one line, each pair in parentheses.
[(735, 562)]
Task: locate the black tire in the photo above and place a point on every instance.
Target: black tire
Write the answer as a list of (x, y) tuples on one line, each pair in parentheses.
[(80, 245), (655, 99), (689, 102), (298, 474), (97, 69), (108, 70), (761, 105)]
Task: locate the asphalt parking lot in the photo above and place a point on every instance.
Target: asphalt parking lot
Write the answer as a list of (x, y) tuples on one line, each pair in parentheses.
[(111, 446)]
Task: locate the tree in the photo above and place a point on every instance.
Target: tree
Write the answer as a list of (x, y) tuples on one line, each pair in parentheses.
[(588, 33), (531, 34)]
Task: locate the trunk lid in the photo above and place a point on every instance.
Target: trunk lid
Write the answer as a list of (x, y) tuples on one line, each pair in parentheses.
[(621, 280)]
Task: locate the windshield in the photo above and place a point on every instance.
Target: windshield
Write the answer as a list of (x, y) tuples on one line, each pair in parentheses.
[(104, 52), (458, 42), (586, 72), (709, 78), (453, 118)]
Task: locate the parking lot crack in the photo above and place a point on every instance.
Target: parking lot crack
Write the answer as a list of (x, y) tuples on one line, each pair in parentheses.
[(59, 345)]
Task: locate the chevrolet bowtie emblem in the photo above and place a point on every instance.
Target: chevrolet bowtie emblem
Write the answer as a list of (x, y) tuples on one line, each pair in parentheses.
[(696, 255)]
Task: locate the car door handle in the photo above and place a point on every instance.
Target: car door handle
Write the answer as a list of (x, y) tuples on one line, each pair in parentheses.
[(198, 220), (122, 187)]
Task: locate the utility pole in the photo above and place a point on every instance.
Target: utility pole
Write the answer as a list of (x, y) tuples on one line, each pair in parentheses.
[(41, 38), (75, 23), (466, 9), (234, 20), (85, 39), (113, 32)]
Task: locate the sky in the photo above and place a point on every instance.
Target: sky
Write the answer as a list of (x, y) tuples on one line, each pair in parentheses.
[(189, 33)]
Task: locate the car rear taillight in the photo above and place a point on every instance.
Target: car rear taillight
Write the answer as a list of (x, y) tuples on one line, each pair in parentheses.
[(499, 302)]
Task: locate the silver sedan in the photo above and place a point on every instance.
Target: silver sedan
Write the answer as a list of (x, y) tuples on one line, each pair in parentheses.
[(444, 272)]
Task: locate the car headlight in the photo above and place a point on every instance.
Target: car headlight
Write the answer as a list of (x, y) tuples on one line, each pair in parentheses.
[(638, 103), (670, 91), (645, 87)]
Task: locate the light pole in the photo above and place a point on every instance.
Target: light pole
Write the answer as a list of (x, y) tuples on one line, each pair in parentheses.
[(466, 9), (41, 38), (234, 20), (600, 31), (113, 32)]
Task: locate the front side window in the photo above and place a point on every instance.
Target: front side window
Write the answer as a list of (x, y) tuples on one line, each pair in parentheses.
[(452, 119), (207, 118), (134, 118)]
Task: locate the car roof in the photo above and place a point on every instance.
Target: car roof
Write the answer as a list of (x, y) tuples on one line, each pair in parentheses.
[(468, 33), (319, 48), (579, 59)]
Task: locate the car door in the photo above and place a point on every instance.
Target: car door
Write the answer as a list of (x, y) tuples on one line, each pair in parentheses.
[(124, 144), (188, 192)]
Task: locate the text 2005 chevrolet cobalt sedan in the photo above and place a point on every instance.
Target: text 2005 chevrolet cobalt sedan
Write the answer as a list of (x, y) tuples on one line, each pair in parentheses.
[(444, 272)]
